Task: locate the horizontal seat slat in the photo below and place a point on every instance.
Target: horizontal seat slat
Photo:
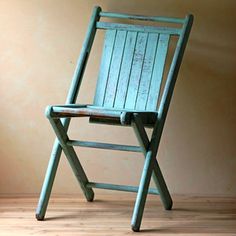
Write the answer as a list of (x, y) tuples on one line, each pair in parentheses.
[(83, 111), (122, 116), (138, 28)]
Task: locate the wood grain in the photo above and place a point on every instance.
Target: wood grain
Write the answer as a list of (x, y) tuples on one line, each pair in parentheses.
[(108, 47), (110, 215)]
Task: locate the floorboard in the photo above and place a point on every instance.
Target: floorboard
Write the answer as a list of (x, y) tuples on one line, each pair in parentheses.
[(111, 215)]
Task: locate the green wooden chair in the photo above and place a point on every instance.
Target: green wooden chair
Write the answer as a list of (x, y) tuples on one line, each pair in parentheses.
[(128, 89)]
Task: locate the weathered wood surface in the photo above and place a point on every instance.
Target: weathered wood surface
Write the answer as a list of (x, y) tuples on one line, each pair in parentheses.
[(139, 28), (71, 98), (140, 17), (128, 88), (110, 215), (131, 70), (121, 116), (108, 146), (117, 187), (72, 158)]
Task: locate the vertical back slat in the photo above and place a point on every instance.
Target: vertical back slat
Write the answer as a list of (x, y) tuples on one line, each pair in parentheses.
[(125, 69), (114, 71), (147, 71), (158, 70), (136, 70), (131, 70), (109, 42)]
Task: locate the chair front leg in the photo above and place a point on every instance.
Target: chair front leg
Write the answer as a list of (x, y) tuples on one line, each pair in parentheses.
[(71, 157), (157, 175), (48, 181), (142, 192), (50, 176)]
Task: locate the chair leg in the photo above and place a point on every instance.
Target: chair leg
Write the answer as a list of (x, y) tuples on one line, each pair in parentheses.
[(162, 187), (72, 158), (142, 192), (48, 181), (157, 175)]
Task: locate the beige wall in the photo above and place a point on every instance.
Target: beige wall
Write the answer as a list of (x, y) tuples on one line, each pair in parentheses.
[(39, 44)]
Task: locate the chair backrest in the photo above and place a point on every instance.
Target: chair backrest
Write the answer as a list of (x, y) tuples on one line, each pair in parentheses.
[(133, 62)]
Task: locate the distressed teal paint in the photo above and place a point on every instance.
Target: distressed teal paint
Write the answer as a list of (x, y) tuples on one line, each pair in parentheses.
[(144, 18), (138, 28), (71, 98), (108, 47), (125, 188), (99, 145), (125, 70), (127, 92)]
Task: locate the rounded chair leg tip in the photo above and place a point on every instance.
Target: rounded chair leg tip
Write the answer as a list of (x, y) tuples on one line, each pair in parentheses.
[(90, 198), (169, 206), (39, 218), (135, 229)]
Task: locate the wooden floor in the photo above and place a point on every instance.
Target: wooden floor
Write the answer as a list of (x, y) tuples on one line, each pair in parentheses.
[(111, 215)]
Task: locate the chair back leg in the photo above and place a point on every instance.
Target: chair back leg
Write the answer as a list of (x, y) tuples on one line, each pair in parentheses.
[(151, 168)]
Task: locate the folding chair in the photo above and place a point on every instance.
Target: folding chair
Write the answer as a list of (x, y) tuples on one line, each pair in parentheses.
[(128, 92)]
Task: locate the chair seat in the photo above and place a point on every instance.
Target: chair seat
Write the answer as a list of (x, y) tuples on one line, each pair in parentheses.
[(101, 114)]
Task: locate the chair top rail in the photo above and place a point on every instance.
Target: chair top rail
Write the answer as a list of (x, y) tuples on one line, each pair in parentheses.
[(139, 28), (140, 17)]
